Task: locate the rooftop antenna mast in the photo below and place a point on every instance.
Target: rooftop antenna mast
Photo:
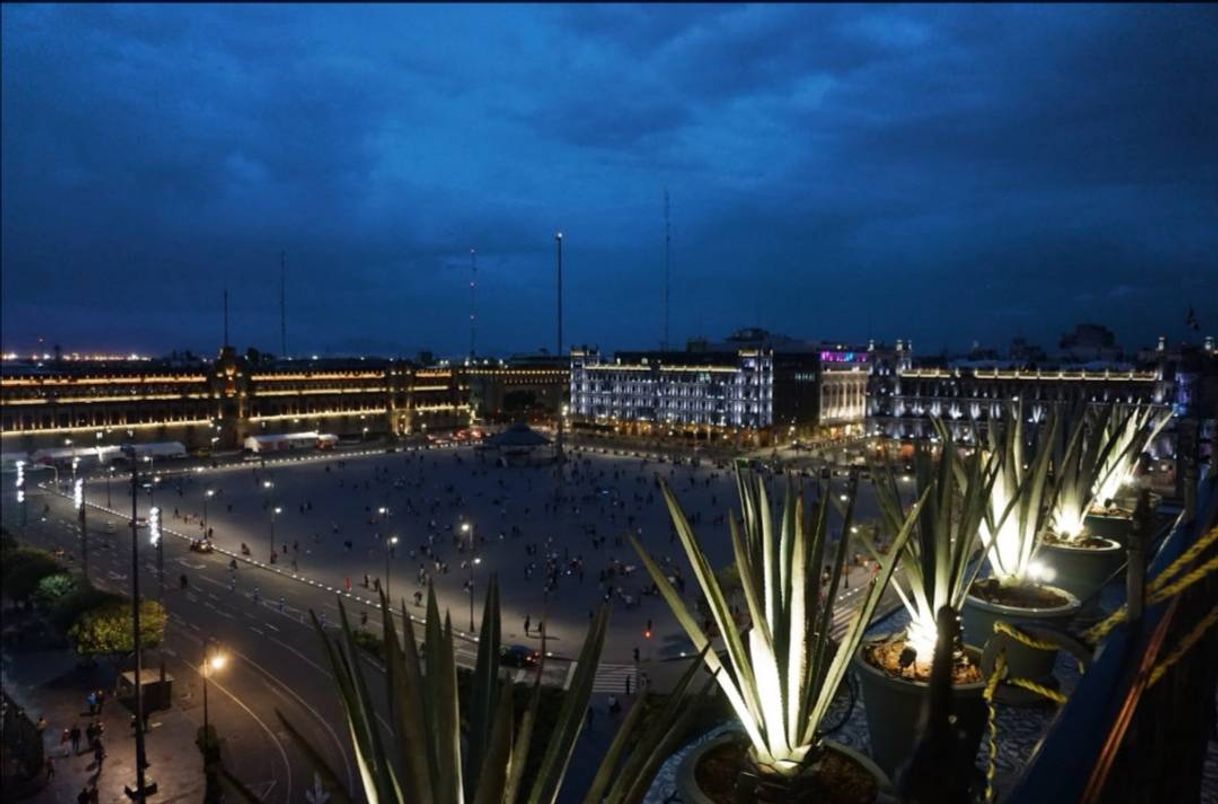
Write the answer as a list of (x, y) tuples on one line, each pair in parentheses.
[(283, 307), (667, 267), (473, 301)]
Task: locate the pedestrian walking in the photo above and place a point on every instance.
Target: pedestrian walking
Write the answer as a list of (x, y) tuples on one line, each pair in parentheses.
[(74, 736), (50, 768), (528, 620), (627, 686)]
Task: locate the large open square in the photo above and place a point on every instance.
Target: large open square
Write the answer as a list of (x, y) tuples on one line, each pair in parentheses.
[(334, 519)]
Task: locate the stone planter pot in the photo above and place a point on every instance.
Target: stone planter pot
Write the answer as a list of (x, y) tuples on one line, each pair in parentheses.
[(690, 793), (894, 707), (978, 617), (1116, 528), (1082, 571)]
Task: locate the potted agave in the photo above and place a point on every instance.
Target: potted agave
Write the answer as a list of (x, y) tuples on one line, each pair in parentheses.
[(783, 672), (434, 749), (936, 567), (1082, 561), (1127, 430), (1018, 591)]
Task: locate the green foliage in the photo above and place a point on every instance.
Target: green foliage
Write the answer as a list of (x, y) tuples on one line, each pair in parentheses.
[(106, 629), (1022, 496), (53, 589), (782, 681), (940, 559), (424, 759), (24, 568), (68, 609)]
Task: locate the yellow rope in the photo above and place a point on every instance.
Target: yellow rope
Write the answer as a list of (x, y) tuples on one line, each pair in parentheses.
[(1185, 581), (1191, 638), (1051, 694), (1002, 627), (1185, 558), (991, 685), (1159, 588)]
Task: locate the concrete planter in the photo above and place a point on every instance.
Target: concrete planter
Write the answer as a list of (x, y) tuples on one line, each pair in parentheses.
[(894, 707), (690, 793), (979, 616), (1082, 571), (1116, 528)]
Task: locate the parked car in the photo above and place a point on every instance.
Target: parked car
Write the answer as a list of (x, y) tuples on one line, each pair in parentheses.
[(518, 656)]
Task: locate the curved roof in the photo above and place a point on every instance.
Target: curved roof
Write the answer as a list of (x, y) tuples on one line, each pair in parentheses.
[(519, 435)]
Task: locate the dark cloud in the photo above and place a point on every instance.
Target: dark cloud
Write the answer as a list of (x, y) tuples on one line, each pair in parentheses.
[(946, 173)]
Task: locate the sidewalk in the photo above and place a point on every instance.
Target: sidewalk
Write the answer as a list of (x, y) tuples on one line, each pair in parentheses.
[(51, 685)]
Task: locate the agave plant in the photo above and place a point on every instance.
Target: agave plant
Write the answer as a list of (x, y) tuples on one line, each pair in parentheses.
[(420, 757), (1128, 431), (785, 671), (939, 561), (1097, 458), (1021, 497)]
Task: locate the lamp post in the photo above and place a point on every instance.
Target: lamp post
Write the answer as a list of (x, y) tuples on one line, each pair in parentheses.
[(154, 537), (213, 660), (78, 498), (390, 543), (267, 485), (274, 511), (207, 495), (21, 492), (109, 476), (468, 530), (142, 790)]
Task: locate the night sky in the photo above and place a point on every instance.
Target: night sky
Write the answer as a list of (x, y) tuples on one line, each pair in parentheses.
[(946, 174)]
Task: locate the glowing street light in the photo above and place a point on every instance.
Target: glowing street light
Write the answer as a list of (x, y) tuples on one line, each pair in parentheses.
[(213, 661), (207, 495), (274, 512), (78, 499), (390, 544), (468, 530), (21, 490)]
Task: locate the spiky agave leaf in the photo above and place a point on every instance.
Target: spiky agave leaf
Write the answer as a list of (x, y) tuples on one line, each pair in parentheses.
[(781, 685)]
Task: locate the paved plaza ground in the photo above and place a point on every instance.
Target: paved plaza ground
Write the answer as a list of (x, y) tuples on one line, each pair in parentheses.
[(333, 532)]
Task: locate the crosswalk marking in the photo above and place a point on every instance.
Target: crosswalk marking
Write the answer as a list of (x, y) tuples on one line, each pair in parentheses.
[(612, 678)]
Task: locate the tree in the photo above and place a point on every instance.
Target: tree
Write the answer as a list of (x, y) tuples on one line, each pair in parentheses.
[(54, 588), (24, 568), (107, 628)]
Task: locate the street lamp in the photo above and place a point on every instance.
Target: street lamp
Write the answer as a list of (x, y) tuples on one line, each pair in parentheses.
[(142, 787), (274, 511), (109, 475), (78, 498), (468, 530), (390, 543), (213, 660), (207, 495), (21, 491)]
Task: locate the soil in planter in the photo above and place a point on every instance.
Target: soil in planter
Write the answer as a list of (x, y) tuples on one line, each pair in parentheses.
[(887, 657), (1112, 513), (838, 779), (1021, 596), (1092, 542)]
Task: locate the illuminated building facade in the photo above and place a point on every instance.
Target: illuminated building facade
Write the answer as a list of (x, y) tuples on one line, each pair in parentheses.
[(674, 389), (219, 403), (777, 387)]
